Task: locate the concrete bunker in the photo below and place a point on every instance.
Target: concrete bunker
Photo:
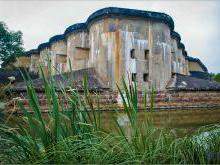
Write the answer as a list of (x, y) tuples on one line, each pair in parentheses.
[(44, 50), (77, 46), (58, 54), (120, 42), (35, 58)]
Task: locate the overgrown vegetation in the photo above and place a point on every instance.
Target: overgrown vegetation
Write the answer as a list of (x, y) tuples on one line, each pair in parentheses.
[(3, 92), (77, 136)]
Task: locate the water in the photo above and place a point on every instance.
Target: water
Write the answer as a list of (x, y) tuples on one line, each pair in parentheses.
[(180, 122)]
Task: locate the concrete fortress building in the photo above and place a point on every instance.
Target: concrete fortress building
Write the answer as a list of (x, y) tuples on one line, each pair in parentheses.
[(35, 58), (44, 52), (118, 42), (58, 54), (77, 41)]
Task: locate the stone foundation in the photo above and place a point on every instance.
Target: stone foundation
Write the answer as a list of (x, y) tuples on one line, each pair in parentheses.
[(108, 99), (187, 99)]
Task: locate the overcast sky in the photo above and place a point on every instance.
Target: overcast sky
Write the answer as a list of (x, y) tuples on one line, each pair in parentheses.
[(198, 22)]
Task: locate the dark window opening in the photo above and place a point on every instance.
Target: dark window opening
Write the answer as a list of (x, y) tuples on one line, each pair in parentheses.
[(146, 54), (132, 53), (133, 76), (145, 77)]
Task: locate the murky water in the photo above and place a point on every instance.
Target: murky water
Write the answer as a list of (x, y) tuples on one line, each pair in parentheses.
[(180, 121)]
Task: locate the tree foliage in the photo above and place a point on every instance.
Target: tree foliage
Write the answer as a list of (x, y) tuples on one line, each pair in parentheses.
[(212, 75), (217, 77), (11, 44)]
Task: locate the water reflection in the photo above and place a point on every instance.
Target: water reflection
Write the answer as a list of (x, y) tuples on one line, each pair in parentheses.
[(180, 122)]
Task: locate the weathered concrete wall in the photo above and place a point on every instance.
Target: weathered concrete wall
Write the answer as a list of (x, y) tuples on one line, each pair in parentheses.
[(103, 49), (60, 65), (77, 50), (187, 67), (58, 57), (182, 62), (179, 64), (22, 62), (160, 70), (174, 52), (113, 40), (35, 61), (179, 61), (194, 66), (44, 57)]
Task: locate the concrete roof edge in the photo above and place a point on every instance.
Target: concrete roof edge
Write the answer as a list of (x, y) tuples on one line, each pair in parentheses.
[(56, 38), (43, 46), (192, 59), (76, 27), (111, 11), (30, 52), (175, 35)]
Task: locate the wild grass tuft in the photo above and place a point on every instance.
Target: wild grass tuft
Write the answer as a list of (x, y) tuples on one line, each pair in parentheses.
[(72, 133)]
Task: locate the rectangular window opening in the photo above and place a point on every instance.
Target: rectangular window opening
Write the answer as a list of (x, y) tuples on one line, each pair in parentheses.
[(145, 77), (133, 76), (132, 54), (146, 54)]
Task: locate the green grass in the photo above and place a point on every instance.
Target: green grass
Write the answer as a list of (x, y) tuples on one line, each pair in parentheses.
[(78, 137)]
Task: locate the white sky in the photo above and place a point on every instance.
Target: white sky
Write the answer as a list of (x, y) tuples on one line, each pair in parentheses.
[(196, 21)]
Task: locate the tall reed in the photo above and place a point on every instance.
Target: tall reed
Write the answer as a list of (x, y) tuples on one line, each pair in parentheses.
[(73, 133)]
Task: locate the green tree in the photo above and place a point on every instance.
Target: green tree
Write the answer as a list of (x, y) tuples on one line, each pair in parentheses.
[(11, 44), (217, 77), (212, 75)]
